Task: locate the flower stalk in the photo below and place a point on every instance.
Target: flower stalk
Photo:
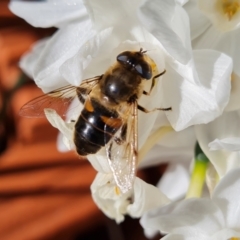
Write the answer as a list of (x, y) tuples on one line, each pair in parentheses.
[(198, 174)]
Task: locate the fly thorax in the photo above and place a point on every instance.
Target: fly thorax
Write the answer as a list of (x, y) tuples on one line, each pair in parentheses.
[(120, 85)]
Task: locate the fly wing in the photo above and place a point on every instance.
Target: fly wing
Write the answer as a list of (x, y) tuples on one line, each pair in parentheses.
[(122, 151), (59, 99)]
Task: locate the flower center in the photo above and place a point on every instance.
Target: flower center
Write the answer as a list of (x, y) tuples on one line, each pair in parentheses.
[(234, 238), (230, 8), (224, 14)]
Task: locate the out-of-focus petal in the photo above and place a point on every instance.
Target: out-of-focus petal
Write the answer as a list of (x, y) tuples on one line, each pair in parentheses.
[(211, 178), (182, 2), (177, 237), (65, 128), (198, 21), (179, 171), (64, 44), (226, 195), (226, 126), (234, 101), (29, 60), (61, 146), (227, 43), (195, 104), (225, 234), (146, 197), (49, 13), (229, 144), (108, 13), (186, 217), (219, 18)]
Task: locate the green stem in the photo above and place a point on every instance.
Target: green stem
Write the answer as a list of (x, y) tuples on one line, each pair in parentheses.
[(198, 174)]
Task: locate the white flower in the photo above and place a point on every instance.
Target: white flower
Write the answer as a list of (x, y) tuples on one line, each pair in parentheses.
[(221, 153), (215, 25), (135, 203), (196, 85), (202, 219), (230, 144), (78, 50)]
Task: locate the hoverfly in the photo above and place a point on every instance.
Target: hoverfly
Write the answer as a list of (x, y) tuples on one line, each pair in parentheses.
[(109, 115)]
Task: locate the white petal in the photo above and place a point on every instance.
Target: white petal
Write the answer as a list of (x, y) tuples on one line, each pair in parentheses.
[(171, 147), (72, 114), (99, 162), (108, 198), (65, 128), (173, 189), (227, 195), (230, 144), (73, 68), (227, 43), (181, 236), (109, 13), (159, 154), (213, 10), (223, 127), (211, 178), (198, 21), (226, 234), (195, 104), (63, 45), (182, 2), (157, 17), (29, 60), (194, 217), (61, 144), (234, 50), (146, 197), (49, 13), (233, 103)]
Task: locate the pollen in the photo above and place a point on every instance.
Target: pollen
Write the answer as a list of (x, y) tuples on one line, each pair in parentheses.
[(234, 238), (230, 8), (117, 190)]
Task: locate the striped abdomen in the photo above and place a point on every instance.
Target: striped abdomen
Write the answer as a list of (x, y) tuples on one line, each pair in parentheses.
[(95, 127)]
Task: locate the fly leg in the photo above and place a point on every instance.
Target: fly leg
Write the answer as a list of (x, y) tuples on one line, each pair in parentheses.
[(123, 135), (148, 111), (148, 93), (153, 83), (118, 140)]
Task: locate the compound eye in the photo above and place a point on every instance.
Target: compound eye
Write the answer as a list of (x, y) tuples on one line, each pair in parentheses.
[(144, 70), (123, 57)]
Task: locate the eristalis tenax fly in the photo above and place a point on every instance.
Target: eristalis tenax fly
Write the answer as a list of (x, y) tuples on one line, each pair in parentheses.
[(109, 117)]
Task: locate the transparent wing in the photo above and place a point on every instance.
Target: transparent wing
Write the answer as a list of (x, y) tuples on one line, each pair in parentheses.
[(59, 99), (122, 151)]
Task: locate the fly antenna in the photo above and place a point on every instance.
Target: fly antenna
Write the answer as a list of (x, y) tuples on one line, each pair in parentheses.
[(144, 51)]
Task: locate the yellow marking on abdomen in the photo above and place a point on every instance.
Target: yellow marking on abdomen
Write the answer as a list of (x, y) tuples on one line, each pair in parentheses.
[(112, 122), (89, 106)]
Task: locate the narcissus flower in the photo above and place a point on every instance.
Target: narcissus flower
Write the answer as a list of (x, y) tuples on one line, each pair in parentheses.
[(90, 36), (202, 219)]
